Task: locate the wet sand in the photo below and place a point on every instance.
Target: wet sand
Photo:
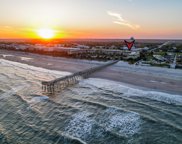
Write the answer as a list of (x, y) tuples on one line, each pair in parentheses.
[(158, 79)]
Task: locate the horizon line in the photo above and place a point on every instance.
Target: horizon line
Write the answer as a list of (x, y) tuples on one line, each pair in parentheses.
[(89, 39)]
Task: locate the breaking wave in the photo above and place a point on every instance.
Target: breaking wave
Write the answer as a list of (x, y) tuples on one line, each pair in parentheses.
[(127, 91)]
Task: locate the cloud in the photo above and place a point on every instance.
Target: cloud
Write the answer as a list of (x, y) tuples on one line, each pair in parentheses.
[(121, 21)]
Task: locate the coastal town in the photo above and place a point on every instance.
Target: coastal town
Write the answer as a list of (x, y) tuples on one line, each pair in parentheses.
[(144, 53)]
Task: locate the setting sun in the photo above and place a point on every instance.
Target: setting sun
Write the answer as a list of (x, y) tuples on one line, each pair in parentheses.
[(46, 33)]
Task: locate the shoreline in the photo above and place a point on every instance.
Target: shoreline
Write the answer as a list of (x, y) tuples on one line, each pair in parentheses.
[(154, 79)]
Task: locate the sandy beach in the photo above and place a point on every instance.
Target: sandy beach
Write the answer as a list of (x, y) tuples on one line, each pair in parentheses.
[(158, 79)]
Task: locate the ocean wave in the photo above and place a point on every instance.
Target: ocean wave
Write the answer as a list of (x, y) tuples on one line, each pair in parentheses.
[(134, 92)]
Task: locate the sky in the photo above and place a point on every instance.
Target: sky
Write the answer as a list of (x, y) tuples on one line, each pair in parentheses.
[(142, 19)]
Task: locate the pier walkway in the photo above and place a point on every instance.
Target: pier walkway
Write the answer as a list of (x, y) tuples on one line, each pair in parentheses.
[(54, 86)]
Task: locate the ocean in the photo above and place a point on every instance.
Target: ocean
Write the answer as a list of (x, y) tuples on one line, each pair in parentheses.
[(94, 111)]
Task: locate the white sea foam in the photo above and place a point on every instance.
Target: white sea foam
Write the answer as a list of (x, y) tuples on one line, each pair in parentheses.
[(124, 123), (117, 87), (80, 125)]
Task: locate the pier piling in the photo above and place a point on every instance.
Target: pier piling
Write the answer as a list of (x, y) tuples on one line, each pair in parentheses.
[(51, 87)]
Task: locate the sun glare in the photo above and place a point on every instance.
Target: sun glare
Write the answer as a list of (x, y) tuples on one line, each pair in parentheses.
[(46, 33)]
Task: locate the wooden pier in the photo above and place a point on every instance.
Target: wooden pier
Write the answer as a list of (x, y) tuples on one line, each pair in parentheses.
[(54, 86)]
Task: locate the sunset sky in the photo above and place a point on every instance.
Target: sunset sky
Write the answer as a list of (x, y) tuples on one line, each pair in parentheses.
[(148, 19)]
